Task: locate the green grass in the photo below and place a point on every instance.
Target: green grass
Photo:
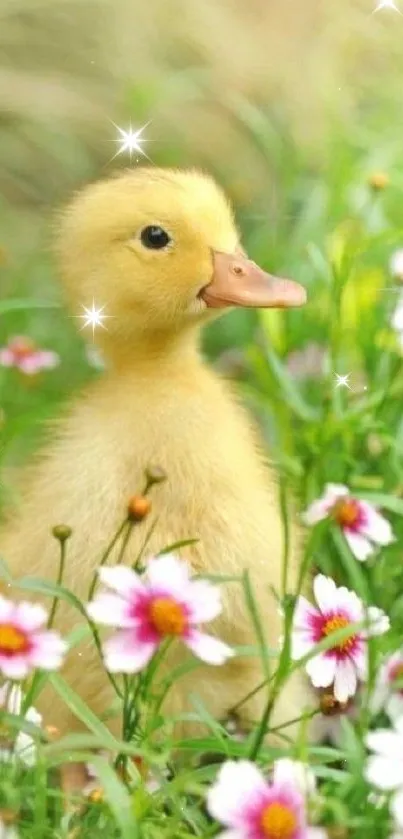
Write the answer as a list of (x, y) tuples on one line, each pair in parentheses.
[(334, 233)]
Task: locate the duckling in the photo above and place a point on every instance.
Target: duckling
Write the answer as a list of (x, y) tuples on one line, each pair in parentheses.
[(159, 248)]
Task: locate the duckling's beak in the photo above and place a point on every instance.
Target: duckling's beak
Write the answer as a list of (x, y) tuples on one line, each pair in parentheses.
[(237, 281)]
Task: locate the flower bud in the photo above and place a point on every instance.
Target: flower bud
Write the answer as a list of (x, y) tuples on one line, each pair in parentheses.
[(138, 508), (154, 475), (62, 532), (378, 181)]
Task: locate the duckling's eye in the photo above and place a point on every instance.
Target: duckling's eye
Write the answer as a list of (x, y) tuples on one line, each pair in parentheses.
[(154, 237)]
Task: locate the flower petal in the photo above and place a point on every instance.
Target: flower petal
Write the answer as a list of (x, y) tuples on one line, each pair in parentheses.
[(345, 683), (169, 574), (7, 357), (122, 580), (325, 591), (126, 653), (30, 616), (303, 614), (321, 670), (384, 773), (203, 600), (386, 743), (237, 783), (376, 527), (207, 648), (379, 623), (359, 545), (6, 609), (111, 610), (295, 773), (48, 651), (16, 667)]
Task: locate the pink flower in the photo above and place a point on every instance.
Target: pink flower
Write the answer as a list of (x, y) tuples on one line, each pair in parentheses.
[(22, 353), (364, 528), (346, 662), (167, 604), (388, 692), (252, 808), (23, 644)]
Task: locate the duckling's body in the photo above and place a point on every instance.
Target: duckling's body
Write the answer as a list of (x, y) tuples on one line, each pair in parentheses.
[(160, 404)]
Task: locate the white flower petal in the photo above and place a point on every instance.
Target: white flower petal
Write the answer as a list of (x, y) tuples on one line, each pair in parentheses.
[(345, 683), (303, 613), (379, 623), (169, 574), (394, 706), (317, 511), (125, 654), (11, 698), (321, 670), (301, 644), (386, 743), (207, 648), (377, 527), (6, 609), (359, 545), (295, 773), (29, 616), (204, 601), (123, 580), (48, 651), (325, 591), (110, 610), (16, 667), (384, 773), (237, 784)]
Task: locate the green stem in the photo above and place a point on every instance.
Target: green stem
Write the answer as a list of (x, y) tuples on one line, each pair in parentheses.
[(105, 556), (63, 543)]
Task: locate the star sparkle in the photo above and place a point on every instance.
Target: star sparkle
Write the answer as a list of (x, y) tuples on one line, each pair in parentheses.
[(386, 4), (131, 141), (342, 381), (93, 317)]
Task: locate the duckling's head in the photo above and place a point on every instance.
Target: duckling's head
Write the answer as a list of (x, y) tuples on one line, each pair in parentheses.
[(160, 251)]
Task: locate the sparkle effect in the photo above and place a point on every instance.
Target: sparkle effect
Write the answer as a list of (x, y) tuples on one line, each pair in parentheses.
[(131, 141), (93, 317), (386, 4), (342, 381)]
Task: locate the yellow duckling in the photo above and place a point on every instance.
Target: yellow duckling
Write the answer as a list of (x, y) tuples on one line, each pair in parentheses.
[(160, 250)]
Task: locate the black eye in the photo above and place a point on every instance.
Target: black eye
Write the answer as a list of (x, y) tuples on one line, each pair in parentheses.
[(154, 237)]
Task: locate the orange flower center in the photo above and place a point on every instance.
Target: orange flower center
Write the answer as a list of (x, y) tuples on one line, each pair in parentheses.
[(278, 822), (12, 640), (332, 625), (167, 616), (23, 348), (347, 512)]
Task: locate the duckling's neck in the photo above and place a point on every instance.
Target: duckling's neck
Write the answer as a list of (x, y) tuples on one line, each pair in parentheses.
[(154, 352)]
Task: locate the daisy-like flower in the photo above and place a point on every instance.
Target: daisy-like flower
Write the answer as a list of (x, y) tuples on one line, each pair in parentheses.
[(388, 692), (346, 662), (24, 746), (165, 603), (24, 644), (363, 526), (384, 768), (396, 264), (21, 352), (252, 808)]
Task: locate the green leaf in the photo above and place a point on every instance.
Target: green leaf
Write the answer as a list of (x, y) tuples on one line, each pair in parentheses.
[(7, 306), (177, 545), (82, 711), (257, 623), (380, 499), (118, 798), (290, 392), (351, 565), (5, 571), (39, 586)]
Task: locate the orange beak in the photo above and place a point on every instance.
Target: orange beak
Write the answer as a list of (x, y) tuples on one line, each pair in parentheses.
[(237, 281)]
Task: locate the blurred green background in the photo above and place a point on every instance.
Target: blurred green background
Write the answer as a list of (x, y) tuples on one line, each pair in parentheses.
[(293, 105)]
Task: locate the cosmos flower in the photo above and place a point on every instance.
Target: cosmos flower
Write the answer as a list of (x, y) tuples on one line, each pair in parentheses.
[(363, 527), (252, 808), (388, 692), (24, 746), (346, 662), (21, 352), (24, 645), (165, 603), (384, 767)]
